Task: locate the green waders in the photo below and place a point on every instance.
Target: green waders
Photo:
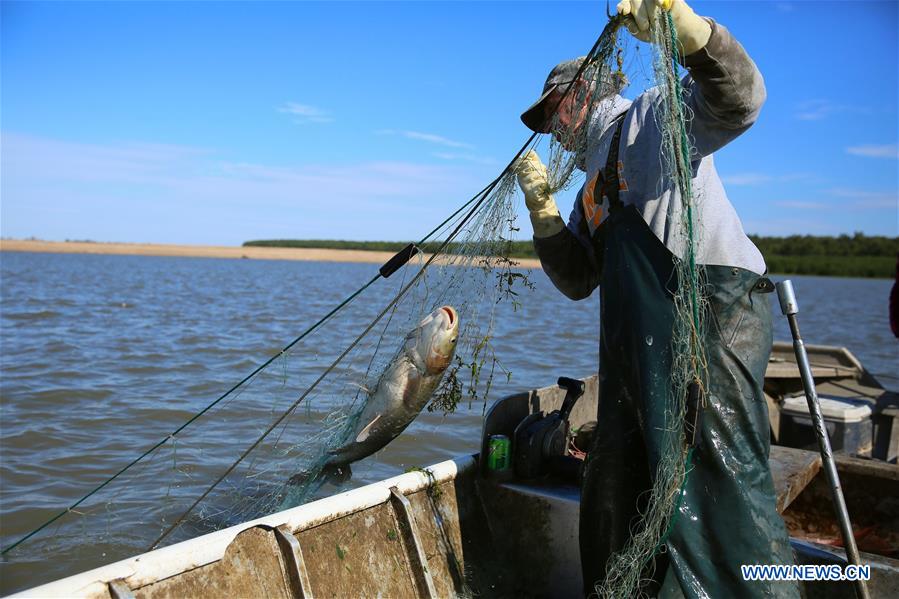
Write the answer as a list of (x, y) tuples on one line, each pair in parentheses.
[(727, 513)]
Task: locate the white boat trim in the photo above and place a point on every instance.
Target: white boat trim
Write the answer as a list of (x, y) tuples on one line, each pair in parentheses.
[(181, 557)]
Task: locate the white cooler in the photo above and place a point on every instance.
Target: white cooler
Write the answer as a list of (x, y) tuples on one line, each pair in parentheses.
[(848, 423)]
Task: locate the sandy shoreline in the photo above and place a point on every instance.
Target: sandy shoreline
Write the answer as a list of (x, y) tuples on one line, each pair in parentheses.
[(207, 251)]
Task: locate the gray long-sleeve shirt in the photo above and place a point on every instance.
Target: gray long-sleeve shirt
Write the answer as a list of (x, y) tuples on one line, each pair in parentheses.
[(725, 93)]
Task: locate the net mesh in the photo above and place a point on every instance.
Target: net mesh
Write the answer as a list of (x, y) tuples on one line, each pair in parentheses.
[(287, 417), (630, 570), (284, 420)]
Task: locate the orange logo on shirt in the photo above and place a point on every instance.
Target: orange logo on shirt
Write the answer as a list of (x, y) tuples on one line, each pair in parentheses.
[(622, 184), (592, 212)]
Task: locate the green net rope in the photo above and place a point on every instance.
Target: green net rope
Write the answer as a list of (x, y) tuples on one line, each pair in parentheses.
[(630, 569)]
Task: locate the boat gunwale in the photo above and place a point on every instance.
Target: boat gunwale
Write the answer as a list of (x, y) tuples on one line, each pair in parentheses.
[(157, 565)]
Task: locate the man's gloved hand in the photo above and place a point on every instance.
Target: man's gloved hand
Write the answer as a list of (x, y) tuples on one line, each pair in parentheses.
[(533, 181), (693, 31), (541, 205)]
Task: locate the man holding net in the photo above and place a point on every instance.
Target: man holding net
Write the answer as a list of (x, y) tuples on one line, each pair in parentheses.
[(624, 235)]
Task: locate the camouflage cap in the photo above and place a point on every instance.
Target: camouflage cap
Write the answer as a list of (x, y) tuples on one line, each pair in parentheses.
[(563, 74)]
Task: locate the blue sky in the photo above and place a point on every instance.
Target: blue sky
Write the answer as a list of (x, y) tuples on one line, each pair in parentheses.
[(215, 123)]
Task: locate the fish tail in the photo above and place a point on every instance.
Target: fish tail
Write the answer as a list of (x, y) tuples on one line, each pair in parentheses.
[(337, 473), (331, 473)]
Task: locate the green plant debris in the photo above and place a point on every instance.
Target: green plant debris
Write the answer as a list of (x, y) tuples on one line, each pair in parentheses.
[(391, 535), (472, 377), (433, 488), (341, 552), (463, 379)]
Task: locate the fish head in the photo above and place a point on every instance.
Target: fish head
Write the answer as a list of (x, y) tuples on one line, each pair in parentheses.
[(435, 339)]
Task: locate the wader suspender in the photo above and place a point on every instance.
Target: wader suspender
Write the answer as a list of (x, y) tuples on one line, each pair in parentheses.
[(610, 183), (607, 185)]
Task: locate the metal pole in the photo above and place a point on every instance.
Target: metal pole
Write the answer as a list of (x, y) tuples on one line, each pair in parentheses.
[(790, 309)]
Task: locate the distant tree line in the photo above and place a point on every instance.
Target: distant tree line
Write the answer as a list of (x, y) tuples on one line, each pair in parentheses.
[(844, 245), (858, 255)]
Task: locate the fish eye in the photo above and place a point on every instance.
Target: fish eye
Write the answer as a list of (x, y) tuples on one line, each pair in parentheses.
[(453, 340)]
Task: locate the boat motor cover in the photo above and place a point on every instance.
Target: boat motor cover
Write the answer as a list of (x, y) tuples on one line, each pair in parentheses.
[(541, 441)]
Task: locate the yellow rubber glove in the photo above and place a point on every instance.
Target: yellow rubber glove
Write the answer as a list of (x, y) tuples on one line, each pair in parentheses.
[(541, 205), (693, 31)]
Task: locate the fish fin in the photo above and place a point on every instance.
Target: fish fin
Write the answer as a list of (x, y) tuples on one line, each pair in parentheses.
[(361, 387), (363, 434)]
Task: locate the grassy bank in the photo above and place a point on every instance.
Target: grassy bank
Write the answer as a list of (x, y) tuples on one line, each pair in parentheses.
[(870, 267), (844, 256)]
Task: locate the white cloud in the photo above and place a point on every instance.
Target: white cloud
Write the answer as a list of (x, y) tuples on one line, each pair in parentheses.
[(467, 158), (818, 109), (814, 110), (746, 179), (303, 113), (175, 194), (848, 192), (427, 137), (866, 199), (875, 151), (803, 205), (760, 178), (878, 204), (849, 200)]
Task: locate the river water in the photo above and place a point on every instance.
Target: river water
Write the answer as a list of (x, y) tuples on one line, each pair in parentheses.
[(103, 356)]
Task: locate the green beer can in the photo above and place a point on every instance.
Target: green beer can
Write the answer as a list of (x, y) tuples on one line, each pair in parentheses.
[(498, 453)]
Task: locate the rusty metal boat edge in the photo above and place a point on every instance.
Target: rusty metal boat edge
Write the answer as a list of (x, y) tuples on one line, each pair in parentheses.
[(156, 573)]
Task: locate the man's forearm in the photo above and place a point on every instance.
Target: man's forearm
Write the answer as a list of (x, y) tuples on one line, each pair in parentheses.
[(567, 264)]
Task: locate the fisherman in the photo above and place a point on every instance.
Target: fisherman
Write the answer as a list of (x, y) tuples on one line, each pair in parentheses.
[(622, 237)]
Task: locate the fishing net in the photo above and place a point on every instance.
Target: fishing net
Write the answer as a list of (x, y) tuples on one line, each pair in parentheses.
[(262, 447), (629, 569), (617, 66), (240, 457)]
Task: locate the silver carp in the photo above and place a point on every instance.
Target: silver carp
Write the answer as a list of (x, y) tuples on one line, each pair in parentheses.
[(404, 388)]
